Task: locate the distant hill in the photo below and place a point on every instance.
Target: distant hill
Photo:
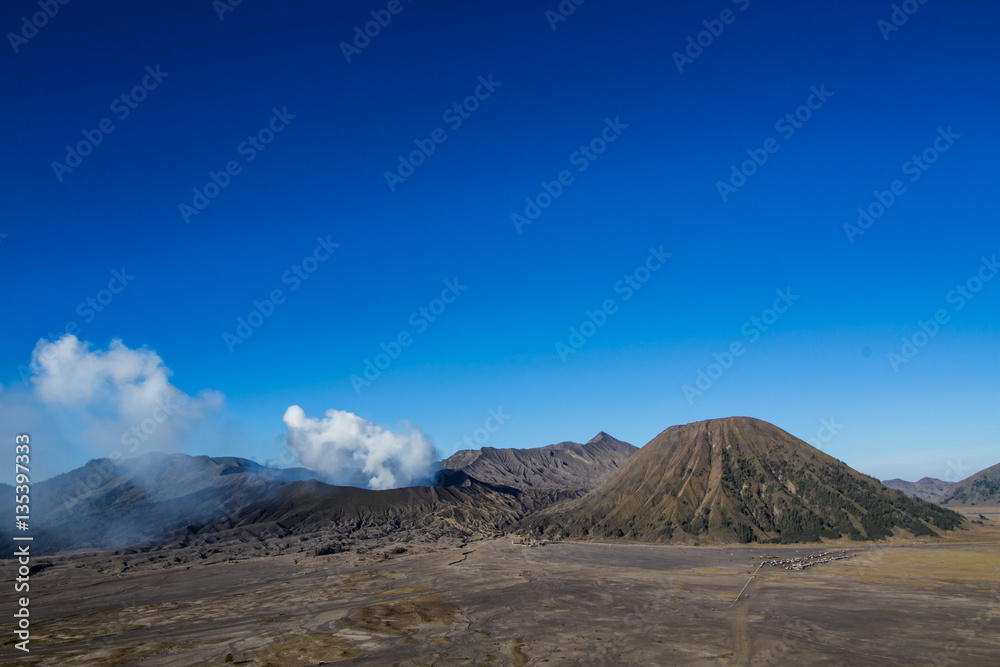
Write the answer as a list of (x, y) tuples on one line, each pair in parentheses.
[(738, 480), (926, 488), (982, 488), (107, 504), (567, 466)]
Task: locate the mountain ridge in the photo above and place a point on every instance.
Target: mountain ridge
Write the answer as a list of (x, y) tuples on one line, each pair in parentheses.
[(564, 466), (736, 479), (930, 489)]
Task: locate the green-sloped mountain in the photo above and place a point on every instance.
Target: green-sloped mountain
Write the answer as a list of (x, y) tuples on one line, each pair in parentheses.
[(738, 480), (982, 488)]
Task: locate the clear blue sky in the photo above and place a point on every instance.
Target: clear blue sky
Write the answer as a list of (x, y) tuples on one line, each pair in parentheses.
[(885, 97)]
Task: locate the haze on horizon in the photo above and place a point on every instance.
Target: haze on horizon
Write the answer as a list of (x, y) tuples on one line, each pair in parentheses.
[(228, 233)]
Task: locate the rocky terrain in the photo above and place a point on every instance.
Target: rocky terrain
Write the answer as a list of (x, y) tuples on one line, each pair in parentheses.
[(567, 466), (491, 602)]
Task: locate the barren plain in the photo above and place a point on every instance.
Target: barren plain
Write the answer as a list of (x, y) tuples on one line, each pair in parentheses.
[(493, 602)]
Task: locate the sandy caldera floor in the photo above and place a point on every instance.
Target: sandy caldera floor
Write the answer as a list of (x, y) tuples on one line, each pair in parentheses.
[(491, 602)]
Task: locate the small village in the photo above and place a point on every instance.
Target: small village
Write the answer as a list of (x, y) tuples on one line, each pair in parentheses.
[(806, 561), (528, 542)]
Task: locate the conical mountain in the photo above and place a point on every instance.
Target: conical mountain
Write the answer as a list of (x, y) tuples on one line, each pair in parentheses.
[(738, 480)]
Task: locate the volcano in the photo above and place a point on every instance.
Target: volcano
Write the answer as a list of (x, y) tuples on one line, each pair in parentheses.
[(738, 479)]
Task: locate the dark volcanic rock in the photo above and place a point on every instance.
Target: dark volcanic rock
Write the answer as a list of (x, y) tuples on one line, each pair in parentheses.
[(306, 507), (567, 466)]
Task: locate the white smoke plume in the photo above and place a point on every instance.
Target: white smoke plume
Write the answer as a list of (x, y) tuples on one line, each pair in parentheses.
[(116, 399), (350, 450)]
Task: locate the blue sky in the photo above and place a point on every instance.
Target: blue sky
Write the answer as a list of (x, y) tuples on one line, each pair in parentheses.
[(211, 87)]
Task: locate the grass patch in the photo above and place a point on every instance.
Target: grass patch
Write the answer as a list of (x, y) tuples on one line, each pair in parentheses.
[(939, 563), (399, 617), (520, 659), (364, 575)]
